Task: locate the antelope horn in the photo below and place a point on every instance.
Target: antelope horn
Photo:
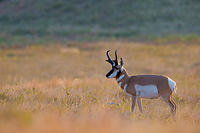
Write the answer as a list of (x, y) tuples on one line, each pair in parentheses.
[(109, 60), (116, 61)]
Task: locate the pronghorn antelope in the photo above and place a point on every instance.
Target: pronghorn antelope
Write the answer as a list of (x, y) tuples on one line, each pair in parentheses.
[(142, 86)]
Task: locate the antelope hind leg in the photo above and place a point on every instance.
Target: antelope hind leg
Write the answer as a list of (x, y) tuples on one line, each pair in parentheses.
[(170, 103)]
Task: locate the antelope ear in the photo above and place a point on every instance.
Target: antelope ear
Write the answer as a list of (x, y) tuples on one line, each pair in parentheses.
[(121, 62)]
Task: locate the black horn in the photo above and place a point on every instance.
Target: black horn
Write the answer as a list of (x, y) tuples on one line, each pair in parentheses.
[(109, 60), (116, 61)]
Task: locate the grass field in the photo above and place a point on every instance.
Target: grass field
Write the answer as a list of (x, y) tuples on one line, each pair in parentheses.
[(64, 89)]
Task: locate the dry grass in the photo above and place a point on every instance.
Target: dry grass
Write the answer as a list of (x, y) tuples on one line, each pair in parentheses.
[(62, 89)]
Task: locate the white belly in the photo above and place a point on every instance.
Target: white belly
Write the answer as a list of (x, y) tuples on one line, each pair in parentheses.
[(148, 91)]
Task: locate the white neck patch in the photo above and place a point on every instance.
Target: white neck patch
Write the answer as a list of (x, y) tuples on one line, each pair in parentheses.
[(121, 77), (120, 83)]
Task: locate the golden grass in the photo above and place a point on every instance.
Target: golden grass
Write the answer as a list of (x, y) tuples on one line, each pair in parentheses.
[(64, 89)]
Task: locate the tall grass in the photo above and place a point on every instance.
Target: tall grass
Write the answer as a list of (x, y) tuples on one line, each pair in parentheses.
[(63, 89)]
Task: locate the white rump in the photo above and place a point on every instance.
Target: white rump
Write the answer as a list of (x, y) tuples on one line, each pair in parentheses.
[(172, 84)]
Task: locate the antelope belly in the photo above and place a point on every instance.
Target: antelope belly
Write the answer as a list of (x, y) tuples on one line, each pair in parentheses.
[(148, 91)]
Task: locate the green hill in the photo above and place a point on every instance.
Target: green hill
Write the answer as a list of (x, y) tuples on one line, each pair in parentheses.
[(30, 20)]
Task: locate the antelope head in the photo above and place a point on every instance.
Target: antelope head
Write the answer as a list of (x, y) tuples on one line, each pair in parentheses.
[(116, 68)]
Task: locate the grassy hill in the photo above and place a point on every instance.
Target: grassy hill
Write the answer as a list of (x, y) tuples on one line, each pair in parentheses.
[(31, 20)]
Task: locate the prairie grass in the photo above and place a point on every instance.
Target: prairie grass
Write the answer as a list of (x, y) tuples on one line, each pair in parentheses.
[(64, 89)]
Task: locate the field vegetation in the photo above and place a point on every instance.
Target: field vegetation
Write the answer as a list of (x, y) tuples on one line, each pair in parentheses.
[(62, 88)]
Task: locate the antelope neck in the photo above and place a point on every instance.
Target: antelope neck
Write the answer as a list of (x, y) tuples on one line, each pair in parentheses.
[(118, 74), (123, 78)]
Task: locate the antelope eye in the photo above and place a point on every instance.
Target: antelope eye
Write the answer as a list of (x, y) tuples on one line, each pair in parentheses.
[(116, 68)]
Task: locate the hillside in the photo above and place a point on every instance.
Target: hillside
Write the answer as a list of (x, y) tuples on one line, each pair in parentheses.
[(93, 20)]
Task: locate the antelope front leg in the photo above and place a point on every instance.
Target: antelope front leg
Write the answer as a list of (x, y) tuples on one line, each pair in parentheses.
[(133, 103), (139, 101)]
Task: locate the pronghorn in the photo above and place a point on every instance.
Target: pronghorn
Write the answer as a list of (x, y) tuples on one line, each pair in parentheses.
[(142, 86)]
